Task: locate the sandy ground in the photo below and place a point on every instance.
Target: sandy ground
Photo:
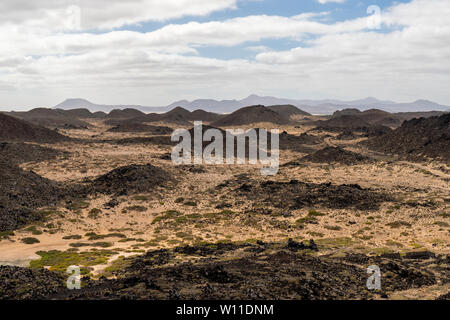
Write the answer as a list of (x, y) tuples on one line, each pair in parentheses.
[(426, 227)]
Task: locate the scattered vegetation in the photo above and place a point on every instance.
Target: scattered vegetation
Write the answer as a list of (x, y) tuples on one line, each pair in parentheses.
[(140, 198), (94, 213), (116, 266), (77, 205), (314, 213), (136, 208), (311, 217), (59, 261), (394, 244), (95, 244), (94, 236), (167, 215), (398, 224), (315, 234), (329, 243), (72, 237), (34, 230), (6, 234), (179, 200), (184, 236), (334, 228), (30, 240), (382, 250), (442, 224)]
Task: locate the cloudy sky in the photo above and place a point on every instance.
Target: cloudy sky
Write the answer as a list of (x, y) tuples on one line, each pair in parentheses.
[(153, 52)]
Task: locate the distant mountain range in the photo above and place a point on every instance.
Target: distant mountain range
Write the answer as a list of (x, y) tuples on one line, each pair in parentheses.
[(326, 106)]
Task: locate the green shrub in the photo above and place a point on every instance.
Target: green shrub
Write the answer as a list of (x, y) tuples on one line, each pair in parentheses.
[(34, 230), (116, 266), (179, 200), (184, 236), (314, 213), (304, 220), (334, 228), (94, 213), (442, 224), (6, 234), (95, 244), (77, 205), (30, 240), (315, 234), (334, 242), (140, 198), (167, 215), (59, 261), (94, 236), (382, 250), (398, 224), (72, 237), (102, 244), (394, 243), (136, 208)]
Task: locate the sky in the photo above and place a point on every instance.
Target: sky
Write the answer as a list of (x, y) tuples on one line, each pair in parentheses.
[(154, 52)]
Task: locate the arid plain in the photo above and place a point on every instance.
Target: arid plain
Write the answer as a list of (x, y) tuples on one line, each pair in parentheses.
[(346, 196)]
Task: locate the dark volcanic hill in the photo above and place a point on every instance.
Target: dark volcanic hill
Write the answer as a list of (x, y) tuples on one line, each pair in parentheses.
[(347, 112), (184, 117), (50, 118), (250, 115), (201, 115), (13, 129), (78, 113), (286, 141), (336, 155), (140, 127), (100, 114), (417, 139), (131, 179), (265, 271), (380, 117), (17, 152), (21, 192), (342, 122), (350, 123), (178, 111), (308, 139), (403, 116), (177, 116), (83, 113), (125, 114), (288, 110), (372, 116)]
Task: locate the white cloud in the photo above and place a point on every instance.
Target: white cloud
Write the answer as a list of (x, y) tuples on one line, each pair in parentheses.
[(343, 59), (173, 38), (104, 14), (328, 1), (258, 48)]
